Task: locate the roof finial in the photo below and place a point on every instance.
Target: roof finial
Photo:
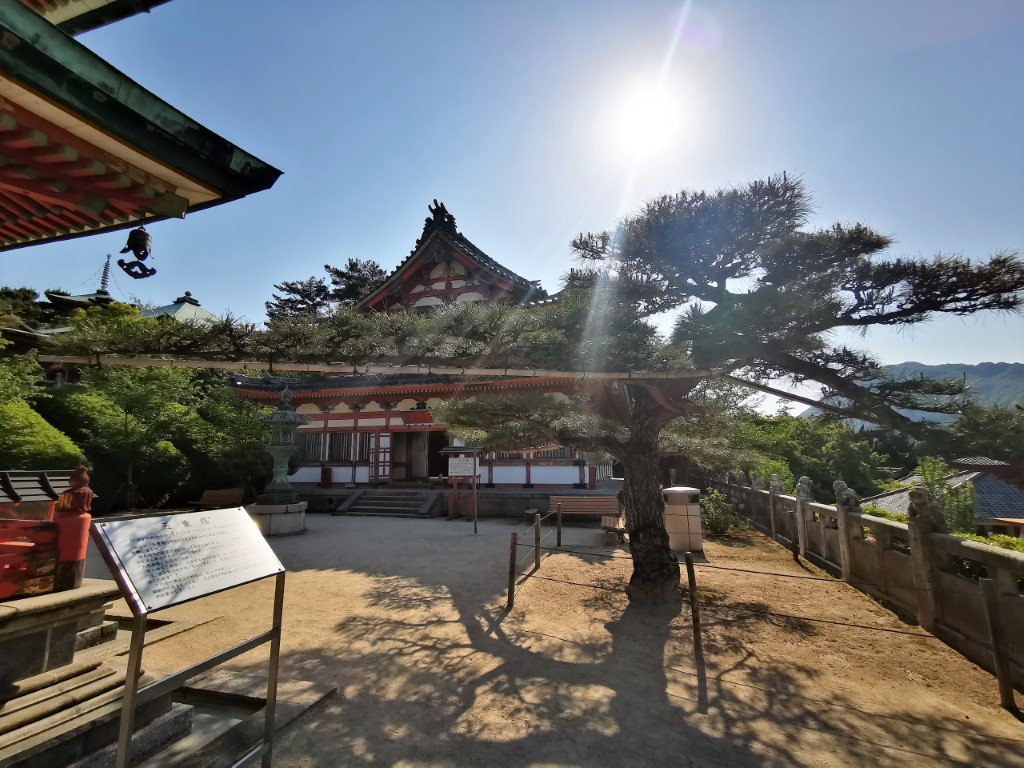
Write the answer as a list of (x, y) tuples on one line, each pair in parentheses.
[(440, 218)]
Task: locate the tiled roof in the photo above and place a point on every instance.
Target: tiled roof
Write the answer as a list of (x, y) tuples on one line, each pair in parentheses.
[(21, 485), (444, 227), (276, 384), (992, 497), (979, 461)]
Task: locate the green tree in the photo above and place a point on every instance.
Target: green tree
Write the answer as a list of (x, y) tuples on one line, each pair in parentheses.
[(760, 294), (353, 281), (29, 442), (313, 297), (823, 450), (991, 431), (955, 501)]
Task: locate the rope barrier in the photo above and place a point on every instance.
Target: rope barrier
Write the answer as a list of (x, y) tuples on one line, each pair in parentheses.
[(533, 525), (854, 582), (706, 605)]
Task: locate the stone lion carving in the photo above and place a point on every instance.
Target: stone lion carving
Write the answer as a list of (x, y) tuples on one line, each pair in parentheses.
[(776, 485), (755, 481), (803, 488), (925, 512), (846, 498)]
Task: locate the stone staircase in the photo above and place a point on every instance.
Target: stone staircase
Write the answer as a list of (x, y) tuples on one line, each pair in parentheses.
[(389, 503)]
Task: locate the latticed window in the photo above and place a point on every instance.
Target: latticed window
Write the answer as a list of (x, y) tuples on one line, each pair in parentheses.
[(340, 447), (311, 446), (362, 446), (554, 453)]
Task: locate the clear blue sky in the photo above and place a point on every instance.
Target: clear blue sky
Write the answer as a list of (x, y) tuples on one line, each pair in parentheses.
[(905, 115)]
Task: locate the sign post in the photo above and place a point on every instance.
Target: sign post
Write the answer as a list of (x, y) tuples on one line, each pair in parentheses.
[(162, 561), (465, 464)]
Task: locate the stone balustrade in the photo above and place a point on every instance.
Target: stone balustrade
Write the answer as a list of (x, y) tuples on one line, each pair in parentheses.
[(930, 578)]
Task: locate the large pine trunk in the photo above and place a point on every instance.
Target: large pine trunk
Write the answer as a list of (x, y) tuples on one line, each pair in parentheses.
[(655, 566)]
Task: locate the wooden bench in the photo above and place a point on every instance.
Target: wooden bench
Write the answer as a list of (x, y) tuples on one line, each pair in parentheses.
[(223, 498), (613, 519), (615, 524), (585, 506)]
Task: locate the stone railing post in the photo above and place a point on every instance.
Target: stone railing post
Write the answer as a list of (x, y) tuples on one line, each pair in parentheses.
[(847, 502), (774, 490), (804, 496), (924, 518), (922, 557)]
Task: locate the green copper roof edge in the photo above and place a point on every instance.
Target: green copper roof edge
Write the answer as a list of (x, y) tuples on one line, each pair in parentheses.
[(115, 10), (49, 62)]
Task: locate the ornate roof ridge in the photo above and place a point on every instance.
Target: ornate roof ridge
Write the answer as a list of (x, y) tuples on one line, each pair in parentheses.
[(443, 224)]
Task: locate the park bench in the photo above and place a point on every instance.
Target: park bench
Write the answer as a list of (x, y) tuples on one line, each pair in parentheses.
[(222, 498), (605, 507)]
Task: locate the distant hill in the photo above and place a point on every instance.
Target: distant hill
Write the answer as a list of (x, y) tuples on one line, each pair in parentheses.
[(988, 383)]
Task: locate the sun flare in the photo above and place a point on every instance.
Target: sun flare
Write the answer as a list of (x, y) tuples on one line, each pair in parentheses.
[(646, 121)]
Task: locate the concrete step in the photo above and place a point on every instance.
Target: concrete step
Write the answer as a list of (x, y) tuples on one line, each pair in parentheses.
[(92, 636), (385, 505), (410, 515), (413, 504)]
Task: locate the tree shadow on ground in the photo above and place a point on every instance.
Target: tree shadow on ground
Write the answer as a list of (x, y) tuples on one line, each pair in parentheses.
[(430, 674)]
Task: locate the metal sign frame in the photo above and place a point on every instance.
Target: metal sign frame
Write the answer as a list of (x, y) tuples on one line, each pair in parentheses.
[(463, 451), (134, 696)]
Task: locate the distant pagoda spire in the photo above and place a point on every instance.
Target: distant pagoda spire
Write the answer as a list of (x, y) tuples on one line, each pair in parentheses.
[(105, 278)]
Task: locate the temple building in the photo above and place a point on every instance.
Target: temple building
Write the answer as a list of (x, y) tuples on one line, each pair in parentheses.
[(379, 428)]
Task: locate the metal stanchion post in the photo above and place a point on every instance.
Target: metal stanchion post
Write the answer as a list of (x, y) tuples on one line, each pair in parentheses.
[(512, 571), (536, 540)]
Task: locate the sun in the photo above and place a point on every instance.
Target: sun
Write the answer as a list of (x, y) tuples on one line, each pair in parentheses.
[(645, 121)]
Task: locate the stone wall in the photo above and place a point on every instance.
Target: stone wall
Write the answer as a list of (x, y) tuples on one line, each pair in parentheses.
[(925, 577)]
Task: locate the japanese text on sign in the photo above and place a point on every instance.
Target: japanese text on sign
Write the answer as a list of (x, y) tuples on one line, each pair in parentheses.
[(170, 559)]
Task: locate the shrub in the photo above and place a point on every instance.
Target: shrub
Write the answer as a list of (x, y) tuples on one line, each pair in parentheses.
[(956, 502), (995, 540), (29, 442), (876, 511), (718, 513)]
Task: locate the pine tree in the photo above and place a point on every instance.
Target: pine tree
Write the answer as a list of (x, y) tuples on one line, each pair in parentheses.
[(760, 295), (313, 298)]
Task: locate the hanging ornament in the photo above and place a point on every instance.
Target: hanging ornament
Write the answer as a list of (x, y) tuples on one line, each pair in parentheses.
[(140, 243)]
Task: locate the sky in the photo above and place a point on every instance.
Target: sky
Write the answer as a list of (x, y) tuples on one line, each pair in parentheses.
[(534, 121)]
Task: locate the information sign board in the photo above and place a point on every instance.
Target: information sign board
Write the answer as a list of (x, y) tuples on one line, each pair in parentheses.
[(165, 560), (461, 467)]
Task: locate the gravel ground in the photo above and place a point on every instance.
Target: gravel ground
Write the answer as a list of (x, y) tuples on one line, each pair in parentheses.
[(407, 618)]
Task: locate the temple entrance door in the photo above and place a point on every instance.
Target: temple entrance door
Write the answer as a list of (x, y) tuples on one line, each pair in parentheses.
[(400, 466), (437, 463), (418, 455), (380, 457)]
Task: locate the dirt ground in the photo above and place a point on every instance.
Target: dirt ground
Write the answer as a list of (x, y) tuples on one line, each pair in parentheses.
[(407, 618)]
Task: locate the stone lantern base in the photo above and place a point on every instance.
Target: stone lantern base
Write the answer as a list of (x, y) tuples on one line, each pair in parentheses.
[(279, 519)]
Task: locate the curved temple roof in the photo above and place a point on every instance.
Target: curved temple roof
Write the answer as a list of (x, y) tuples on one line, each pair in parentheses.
[(85, 149)]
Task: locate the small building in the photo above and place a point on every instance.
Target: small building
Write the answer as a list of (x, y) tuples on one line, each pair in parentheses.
[(998, 496)]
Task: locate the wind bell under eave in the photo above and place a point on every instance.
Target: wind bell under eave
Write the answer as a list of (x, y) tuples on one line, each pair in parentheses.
[(140, 243)]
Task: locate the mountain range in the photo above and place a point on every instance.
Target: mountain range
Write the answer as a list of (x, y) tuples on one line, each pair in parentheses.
[(988, 383)]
